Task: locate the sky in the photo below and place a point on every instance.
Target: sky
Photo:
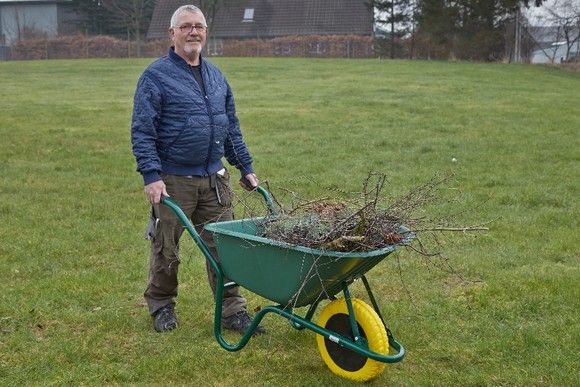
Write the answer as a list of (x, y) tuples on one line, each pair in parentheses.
[(535, 14)]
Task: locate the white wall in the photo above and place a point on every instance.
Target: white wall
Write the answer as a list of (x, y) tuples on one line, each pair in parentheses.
[(15, 19), (554, 54)]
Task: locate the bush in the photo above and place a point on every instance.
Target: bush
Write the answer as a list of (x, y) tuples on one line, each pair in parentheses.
[(323, 46), (79, 46)]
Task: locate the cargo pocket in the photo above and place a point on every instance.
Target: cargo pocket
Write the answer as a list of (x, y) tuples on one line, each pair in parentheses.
[(149, 232), (224, 188)]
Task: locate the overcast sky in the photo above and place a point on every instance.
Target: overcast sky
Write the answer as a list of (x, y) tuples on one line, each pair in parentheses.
[(535, 14)]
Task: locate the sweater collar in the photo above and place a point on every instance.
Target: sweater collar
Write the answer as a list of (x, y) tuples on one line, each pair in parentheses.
[(179, 60)]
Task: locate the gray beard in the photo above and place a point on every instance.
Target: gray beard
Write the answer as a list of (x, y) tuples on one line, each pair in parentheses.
[(190, 50)]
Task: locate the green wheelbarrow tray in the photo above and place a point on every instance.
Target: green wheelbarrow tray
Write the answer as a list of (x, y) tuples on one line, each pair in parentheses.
[(291, 276)]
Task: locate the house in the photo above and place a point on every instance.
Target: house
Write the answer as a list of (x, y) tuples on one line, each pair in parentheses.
[(550, 45), (270, 19), (556, 53), (20, 19)]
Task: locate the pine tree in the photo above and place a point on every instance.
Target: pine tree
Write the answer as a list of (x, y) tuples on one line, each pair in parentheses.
[(397, 16), (466, 29)]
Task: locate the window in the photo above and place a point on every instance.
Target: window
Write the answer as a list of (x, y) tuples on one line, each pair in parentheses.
[(248, 15)]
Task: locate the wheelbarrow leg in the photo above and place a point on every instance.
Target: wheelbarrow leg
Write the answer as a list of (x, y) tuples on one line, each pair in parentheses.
[(372, 297), (354, 325), (392, 342)]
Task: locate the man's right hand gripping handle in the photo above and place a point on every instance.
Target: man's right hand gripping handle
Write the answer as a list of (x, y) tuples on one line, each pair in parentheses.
[(155, 191)]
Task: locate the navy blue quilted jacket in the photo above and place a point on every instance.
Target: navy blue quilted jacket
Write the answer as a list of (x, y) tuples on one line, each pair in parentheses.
[(178, 130)]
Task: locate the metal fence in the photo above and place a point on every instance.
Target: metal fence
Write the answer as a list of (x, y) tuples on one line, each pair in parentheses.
[(77, 46), (4, 52)]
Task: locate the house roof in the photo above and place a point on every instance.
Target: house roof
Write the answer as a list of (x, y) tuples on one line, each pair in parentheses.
[(274, 18)]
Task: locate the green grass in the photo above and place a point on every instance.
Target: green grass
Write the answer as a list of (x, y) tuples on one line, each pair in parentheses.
[(73, 264)]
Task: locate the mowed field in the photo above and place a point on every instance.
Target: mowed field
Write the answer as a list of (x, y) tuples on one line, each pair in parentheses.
[(73, 263)]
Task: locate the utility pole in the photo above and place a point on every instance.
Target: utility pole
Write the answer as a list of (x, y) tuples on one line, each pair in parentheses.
[(517, 38)]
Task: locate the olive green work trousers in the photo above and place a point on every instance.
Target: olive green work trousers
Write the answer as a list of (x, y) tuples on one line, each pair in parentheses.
[(203, 200)]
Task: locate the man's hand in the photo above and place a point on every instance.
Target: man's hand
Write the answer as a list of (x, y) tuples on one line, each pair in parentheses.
[(249, 182), (155, 190)]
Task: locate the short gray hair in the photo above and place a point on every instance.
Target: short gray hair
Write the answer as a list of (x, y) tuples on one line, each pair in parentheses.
[(182, 9)]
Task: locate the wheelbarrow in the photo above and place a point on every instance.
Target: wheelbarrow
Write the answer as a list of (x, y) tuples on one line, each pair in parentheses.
[(352, 336)]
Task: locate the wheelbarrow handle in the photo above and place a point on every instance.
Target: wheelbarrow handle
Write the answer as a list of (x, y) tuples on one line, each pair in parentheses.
[(166, 200), (268, 199), (218, 270)]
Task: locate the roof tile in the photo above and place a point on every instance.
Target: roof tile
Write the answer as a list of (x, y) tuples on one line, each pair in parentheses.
[(274, 18)]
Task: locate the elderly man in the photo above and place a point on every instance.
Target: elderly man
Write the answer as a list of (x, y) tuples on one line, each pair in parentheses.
[(184, 122)]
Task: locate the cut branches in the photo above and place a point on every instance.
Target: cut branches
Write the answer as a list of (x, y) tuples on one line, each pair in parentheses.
[(365, 222)]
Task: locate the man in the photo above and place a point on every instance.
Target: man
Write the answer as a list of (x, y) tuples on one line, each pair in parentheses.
[(184, 122)]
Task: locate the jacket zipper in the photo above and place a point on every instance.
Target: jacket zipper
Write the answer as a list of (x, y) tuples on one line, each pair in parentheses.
[(211, 126)]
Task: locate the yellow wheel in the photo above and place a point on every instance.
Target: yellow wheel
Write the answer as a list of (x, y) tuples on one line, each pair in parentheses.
[(343, 361)]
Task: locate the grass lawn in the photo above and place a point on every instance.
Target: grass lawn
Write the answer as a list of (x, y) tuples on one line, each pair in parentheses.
[(73, 264)]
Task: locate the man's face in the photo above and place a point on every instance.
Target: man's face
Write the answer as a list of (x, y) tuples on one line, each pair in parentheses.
[(189, 34)]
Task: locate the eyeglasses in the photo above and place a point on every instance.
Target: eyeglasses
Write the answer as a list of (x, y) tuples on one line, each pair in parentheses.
[(188, 28)]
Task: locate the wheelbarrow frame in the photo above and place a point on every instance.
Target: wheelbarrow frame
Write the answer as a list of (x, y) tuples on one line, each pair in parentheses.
[(358, 344)]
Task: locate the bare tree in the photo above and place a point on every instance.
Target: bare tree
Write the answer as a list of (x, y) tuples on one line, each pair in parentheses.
[(210, 8), (543, 34), (565, 14), (133, 14)]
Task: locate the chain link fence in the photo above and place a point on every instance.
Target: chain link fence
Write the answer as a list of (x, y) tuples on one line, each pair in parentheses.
[(78, 46)]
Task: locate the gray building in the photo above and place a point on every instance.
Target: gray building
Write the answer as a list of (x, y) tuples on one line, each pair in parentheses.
[(21, 19)]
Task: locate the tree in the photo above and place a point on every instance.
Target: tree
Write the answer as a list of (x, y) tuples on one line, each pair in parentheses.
[(210, 9), (436, 28), (467, 29), (93, 16), (133, 15), (565, 14), (397, 16)]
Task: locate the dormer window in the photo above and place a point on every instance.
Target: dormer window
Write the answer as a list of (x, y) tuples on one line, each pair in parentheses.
[(248, 15)]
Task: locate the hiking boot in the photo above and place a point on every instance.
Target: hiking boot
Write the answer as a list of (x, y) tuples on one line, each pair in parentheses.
[(165, 319), (240, 322)]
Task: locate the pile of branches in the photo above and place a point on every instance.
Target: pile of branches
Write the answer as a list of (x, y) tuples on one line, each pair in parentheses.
[(362, 224)]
